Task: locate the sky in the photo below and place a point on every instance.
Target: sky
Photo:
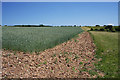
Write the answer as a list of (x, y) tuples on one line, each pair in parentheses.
[(60, 13), (60, 0)]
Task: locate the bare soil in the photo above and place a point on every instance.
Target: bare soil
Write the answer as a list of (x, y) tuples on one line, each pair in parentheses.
[(71, 59)]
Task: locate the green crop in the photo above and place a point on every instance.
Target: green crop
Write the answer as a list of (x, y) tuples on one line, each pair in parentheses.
[(35, 39)]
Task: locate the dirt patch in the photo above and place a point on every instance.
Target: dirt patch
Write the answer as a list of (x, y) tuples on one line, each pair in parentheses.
[(71, 59)]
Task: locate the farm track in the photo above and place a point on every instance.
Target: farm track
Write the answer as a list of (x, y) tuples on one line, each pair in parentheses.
[(71, 59)]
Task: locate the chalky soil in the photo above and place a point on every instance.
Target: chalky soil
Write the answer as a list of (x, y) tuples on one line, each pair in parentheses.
[(71, 59)]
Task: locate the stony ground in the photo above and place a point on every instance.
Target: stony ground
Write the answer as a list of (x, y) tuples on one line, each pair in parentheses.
[(71, 59)]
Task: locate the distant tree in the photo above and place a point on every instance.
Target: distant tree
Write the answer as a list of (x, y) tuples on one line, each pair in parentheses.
[(91, 29), (41, 25), (113, 29), (104, 25), (109, 27), (74, 25), (22, 25), (61, 26), (101, 29), (97, 25), (5, 25), (117, 28), (96, 29)]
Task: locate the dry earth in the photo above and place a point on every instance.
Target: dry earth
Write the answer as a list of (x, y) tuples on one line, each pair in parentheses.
[(71, 59)]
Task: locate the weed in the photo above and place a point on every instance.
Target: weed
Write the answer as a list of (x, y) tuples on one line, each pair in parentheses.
[(67, 60), (51, 71), (25, 66), (54, 55), (30, 52), (60, 54), (75, 40), (80, 70), (91, 72), (55, 61), (45, 62), (71, 54), (76, 57), (14, 53), (81, 63), (84, 69), (8, 54), (65, 53), (99, 76), (70, 39), (39, 64), (73, 68), (37, 53), (86, 59)]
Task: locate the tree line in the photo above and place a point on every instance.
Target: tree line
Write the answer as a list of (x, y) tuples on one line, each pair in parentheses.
[(108, 28), (40, 26)]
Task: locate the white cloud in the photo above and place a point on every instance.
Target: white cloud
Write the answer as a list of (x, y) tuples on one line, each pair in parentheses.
[(110, 24)]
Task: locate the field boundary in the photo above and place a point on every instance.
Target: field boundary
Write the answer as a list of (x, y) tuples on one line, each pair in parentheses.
[(101, 54)]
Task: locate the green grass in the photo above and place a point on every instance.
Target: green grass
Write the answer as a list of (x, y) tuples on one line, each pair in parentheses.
[(92, 72), (107, 49), (35, 38)]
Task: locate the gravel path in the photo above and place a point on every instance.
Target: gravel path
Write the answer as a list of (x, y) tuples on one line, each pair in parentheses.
[(71, 59)]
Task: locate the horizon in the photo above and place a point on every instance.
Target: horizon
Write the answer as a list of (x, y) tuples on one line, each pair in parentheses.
[(57, 25), (60, 13)]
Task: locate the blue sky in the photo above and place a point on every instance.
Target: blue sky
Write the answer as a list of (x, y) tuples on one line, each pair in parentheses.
[(60, 13), (60, 0)]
